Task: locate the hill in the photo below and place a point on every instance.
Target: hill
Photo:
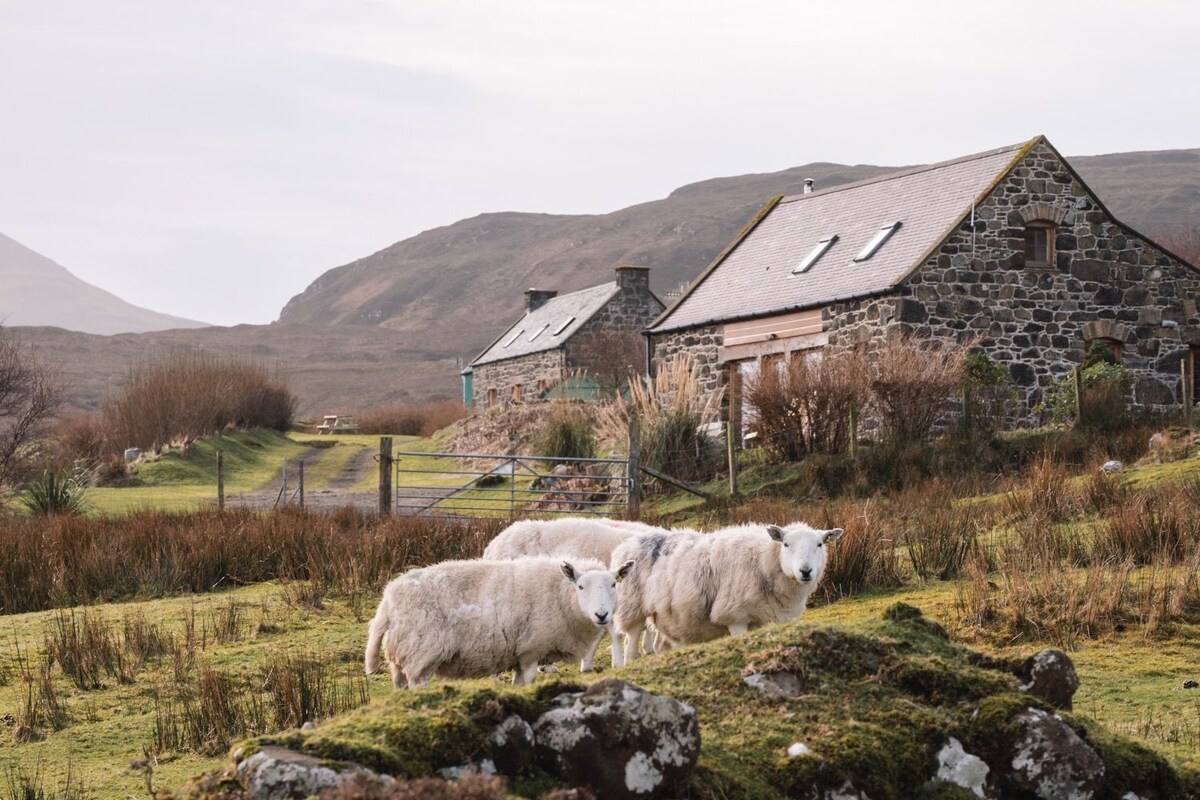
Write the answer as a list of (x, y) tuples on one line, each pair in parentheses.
[(465, 280), (38, 291)]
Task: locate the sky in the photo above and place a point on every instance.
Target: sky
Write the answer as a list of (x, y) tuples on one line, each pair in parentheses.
[(211, 158)]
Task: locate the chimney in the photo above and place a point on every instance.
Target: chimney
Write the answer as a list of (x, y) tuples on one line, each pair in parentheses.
[(536, 298), (633, 277), (808, 185)]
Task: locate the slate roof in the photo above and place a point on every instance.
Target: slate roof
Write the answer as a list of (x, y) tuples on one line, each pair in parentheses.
[(753, 277), (523, 337)]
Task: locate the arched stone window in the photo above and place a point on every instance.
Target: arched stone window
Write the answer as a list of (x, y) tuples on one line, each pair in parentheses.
[(1113, 335), (1041, 225)]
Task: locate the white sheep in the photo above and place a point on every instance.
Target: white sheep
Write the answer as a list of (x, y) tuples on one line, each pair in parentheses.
[(461, 619), (571, 537), (701, 587)]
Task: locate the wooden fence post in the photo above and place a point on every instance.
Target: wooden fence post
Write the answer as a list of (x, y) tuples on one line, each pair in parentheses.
[(302, 484), (853, 429), (633, 468), (220, 481), (731, 455), (1186, 387), (385, 476), (1077, 375)]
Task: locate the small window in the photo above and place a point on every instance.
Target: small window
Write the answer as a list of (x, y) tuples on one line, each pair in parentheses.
[(514, 337), (563, 326), (1099, 349), (539, 331), (815, 254), (491, 398), (1039, 243), (518, 393), (881, 236)]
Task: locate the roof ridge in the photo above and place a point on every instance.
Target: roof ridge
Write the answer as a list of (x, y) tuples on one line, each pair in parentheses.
[(910, 171)]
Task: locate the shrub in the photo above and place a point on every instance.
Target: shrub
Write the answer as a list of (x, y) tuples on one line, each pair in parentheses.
[(187, 395), (29, 397), (82, 437), (57, 491), (987, 393), (568, 431), (912, 386), (806, 407), (674, 414), (414, 419), (1105, 385)]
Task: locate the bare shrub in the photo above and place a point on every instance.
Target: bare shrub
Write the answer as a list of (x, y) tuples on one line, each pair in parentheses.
[(190, 394), (610, 357), (805, 407), (912, 384), (82, 437), (410, 419), (29, 396)]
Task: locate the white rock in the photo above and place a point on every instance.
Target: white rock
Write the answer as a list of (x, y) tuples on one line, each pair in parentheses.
[(798, 749), (1112, 466), (957, 766)]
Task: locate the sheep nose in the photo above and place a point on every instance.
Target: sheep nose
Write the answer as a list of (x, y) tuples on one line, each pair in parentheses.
[(601, 617), (806, 574)]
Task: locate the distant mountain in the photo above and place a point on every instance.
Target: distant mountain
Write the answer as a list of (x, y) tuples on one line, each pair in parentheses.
[(36, 291), (455, 288)]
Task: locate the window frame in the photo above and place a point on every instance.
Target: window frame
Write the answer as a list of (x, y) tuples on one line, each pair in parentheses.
[(1049, 230)]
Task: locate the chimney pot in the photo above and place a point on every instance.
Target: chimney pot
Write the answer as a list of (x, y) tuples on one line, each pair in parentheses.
[(808, 185), (633, 276)]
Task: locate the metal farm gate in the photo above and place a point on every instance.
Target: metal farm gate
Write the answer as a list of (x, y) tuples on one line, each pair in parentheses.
[(480, 485)]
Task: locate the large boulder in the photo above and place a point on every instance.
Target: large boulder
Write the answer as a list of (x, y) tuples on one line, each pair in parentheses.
[(1050, 675), (1049, 759), (619, 740), (277, 773)]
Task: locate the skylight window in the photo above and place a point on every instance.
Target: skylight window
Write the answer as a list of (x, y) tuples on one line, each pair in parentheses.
[(881, 236), (815, 254), (563, 326), (539, 331), (514, 337)]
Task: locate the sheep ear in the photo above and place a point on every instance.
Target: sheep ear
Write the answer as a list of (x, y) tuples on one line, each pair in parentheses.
[(833, 535), (569, 571), (775, 532), (624, 570)]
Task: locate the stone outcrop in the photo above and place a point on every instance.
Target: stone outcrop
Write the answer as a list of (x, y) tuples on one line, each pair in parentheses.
[(619, 740)]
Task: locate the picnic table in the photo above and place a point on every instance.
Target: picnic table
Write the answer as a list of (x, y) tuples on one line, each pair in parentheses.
[(337, 423)]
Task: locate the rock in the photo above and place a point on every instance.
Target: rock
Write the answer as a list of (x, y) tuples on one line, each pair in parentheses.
[(512, 746), (619, 740), (1050, 676), (1191, 684), (1112, 466), (957, 766), (276, 773), (798, 749), (775, 684), (1050, 760)]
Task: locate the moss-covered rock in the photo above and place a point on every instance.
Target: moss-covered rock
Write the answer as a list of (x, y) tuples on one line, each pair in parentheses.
[(872, 706)]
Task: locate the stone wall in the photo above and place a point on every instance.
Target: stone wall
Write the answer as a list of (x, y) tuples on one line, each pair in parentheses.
[(702, 344), (525, 370), (1104, 282)]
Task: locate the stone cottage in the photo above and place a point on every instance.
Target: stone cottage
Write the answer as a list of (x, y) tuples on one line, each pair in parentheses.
[(542, 349), (1008, 247)]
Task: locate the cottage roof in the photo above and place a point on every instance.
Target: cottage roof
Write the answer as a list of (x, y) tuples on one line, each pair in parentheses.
[(755, 275), (549, 325)]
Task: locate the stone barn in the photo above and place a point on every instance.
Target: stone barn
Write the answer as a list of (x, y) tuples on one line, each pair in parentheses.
[(545, 346), (1008, 247)]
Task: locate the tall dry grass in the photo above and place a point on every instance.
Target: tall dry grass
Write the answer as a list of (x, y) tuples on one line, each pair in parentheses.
[(68, 561), (410, 419)]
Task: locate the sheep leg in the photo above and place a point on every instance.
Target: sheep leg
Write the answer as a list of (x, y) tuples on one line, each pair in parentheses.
[(738, 629), (633, 637), (648, 640), (618, 651), (524, 675), (398, 679), (589, 656)]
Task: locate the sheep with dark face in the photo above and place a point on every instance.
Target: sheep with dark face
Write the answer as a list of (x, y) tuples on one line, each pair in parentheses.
[(700, 587), (470, 619)]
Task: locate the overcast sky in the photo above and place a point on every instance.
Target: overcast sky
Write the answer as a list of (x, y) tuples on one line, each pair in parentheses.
[(210, 158)]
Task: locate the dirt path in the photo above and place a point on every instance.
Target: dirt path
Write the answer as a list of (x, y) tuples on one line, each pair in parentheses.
[(338, 493)]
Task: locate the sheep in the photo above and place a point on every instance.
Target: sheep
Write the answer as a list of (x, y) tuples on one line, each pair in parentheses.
[(570, 537), (476, 618), (701, 587)]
